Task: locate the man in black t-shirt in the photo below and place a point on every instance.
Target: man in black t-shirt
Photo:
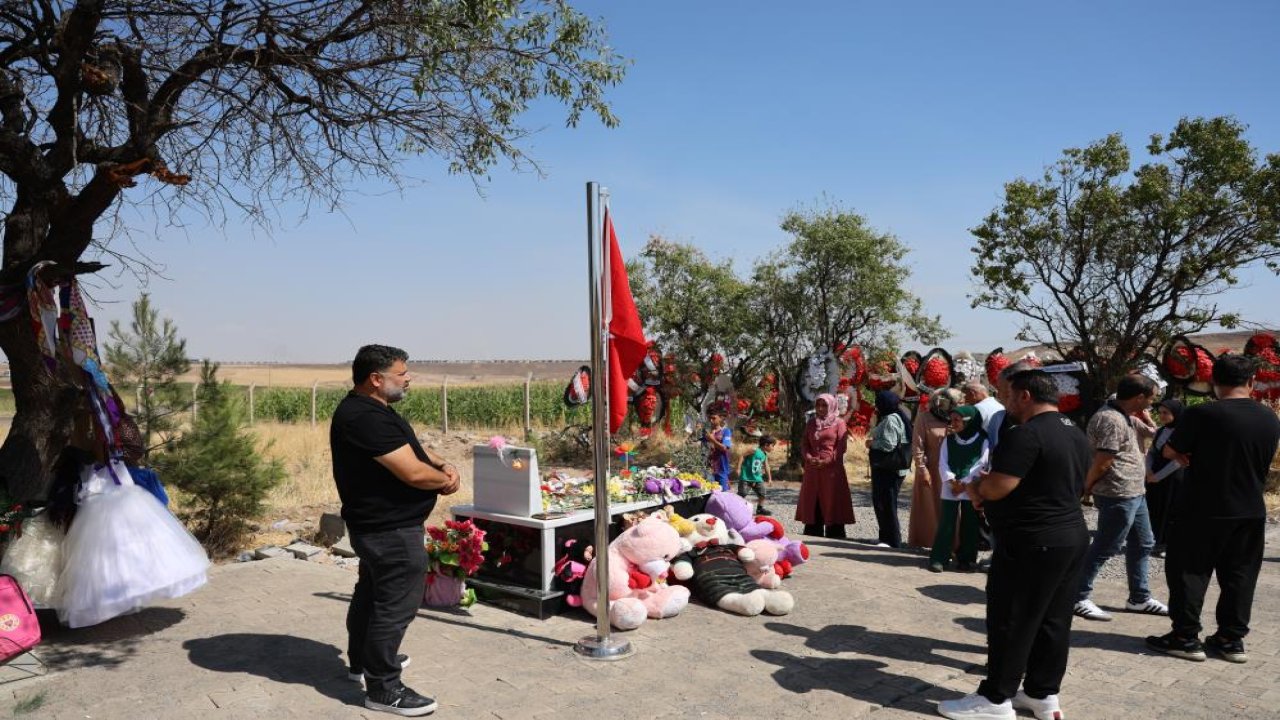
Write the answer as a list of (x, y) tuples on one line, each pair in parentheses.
[(388, 486), (1031, 497), (1219, 519)]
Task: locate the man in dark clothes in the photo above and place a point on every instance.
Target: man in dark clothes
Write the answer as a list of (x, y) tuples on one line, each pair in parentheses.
[(1219, 521), (388, 486), (1032, 498)]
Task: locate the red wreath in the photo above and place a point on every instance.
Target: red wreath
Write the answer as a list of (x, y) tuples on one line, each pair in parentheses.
[(937, 373), (995, 363), (1068, 403)]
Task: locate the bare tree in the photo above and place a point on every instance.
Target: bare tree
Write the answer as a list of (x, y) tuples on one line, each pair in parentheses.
[(233, 106)]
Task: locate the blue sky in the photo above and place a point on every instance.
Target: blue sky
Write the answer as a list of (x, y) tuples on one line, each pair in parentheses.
[(912, 113)]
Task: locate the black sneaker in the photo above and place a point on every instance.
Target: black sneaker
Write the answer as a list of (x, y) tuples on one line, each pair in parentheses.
[(1180, 647), (401, 701), (761, 510), (355, 674), (1229, 650)]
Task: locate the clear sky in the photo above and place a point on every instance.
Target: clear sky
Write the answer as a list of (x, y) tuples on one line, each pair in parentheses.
[(911, 113)]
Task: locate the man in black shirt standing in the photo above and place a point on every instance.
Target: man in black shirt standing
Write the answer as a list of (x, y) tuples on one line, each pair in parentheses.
[(1219, 520), (1031, 497), (388, 486)]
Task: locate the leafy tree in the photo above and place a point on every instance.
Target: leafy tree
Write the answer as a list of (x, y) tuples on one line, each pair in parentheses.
[(239, 105), (1104, 265), (147, 359), (219, 469), (839, 280), (694, 307)]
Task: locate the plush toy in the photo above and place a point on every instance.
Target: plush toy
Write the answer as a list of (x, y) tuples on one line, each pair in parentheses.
[(681, 525), (736, 511), (571, 568), (761, 567), (639, 559), (714, 569)]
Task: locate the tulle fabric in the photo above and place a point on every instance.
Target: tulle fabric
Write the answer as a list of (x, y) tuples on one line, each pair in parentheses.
[(124, 551), (34, 559)]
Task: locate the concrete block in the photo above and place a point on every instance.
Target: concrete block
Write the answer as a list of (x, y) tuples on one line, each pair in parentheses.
[(303, 551), (342, 548), (269, 552)]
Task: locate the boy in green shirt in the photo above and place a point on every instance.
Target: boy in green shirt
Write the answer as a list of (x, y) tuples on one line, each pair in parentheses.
[(754, 470)]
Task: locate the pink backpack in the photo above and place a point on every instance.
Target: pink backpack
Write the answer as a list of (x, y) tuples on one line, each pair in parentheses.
[(19, 629)]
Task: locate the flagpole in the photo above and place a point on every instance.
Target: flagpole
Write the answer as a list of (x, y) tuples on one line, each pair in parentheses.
[(602, 645)]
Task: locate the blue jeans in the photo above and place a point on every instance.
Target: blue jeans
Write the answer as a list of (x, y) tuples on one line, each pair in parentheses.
[(1121, 521)]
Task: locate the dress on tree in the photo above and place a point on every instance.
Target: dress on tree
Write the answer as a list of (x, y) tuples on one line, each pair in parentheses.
[(124, 551)]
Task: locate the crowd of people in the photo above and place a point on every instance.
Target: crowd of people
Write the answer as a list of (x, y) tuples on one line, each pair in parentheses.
[(1009, 469), (1014, 471)]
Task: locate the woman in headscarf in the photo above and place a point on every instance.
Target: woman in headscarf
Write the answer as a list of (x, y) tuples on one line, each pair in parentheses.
[(1164, 476), (825, 505), (890, 432), (926, 444), (963, 455)]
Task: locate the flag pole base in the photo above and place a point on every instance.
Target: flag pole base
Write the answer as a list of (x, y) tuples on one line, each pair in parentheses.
[(594, 647)]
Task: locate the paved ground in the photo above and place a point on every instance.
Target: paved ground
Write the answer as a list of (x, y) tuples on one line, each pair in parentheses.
[(873, 633)]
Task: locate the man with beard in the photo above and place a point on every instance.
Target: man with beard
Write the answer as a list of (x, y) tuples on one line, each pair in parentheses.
[(388, 486), (1032, 499)]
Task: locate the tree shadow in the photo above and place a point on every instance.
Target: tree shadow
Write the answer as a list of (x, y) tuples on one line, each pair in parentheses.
[(891, 560), (860, 679), (1113, 642), (834, 639), (955, 594), (465, 620), (279, 658), (109, 644)]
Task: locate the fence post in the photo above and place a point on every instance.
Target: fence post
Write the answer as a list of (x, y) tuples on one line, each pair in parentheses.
[(444, 406), (195, 403), (528, 429), (251, 386), (313, 402)]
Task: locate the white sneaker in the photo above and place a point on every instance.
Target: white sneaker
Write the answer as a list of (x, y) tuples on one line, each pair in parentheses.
[(1089, 611), (1152, 606), (976, 707), (1046, 709)]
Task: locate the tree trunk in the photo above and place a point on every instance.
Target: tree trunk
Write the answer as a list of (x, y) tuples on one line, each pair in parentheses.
[(795, 410), (46, 407)]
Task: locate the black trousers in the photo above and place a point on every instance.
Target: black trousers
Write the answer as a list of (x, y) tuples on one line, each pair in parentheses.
[(1197, 550), (1160, 497), (820, 529), (885, 486), (393, 570), (1030, 594)]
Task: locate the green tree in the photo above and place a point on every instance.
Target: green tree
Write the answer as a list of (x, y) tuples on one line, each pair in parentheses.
[(146, 360), (238, 105), (694, 307), (219, 469), (839, 280), (1107, 265)]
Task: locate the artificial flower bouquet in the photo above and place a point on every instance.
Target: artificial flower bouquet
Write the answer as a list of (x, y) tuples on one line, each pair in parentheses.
[(454, 552)]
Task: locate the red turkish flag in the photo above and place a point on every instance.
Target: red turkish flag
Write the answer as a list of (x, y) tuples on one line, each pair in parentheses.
[(627, 346)]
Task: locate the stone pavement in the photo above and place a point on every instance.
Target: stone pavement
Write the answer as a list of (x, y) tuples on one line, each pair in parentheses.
[(873, 635)]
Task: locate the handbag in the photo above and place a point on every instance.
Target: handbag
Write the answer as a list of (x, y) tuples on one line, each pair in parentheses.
[(19, 629), (896, 459)]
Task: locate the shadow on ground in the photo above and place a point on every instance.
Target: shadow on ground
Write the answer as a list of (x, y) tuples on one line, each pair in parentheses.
[(955, 594), (463, 619), (835, 639), (107, 644), (279, 658), (1115, 642)]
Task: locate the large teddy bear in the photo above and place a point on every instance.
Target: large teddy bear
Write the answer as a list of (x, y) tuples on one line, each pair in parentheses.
[(736, 511), (639, 559), (714, 569)]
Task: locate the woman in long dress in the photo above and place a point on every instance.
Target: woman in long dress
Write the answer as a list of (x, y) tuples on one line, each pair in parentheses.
[(926, 445), (825, 505)]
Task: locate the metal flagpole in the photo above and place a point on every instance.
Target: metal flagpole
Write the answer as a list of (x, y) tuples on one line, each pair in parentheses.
[(602, 645)]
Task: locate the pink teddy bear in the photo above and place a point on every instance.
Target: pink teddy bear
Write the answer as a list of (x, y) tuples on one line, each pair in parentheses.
[(639, 560)]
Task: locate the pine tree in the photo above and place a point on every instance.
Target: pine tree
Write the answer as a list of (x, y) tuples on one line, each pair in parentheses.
[(147, 360), (219, 469)]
